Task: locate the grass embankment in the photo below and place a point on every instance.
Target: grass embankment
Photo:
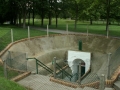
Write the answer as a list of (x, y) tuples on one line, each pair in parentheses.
[(9, 85), (6, 84), (18, 33)]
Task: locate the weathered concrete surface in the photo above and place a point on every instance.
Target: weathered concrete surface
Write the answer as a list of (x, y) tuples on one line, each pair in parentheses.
[(108, 89), (40, 82), (88, 88), (117, 85), (46, 48)]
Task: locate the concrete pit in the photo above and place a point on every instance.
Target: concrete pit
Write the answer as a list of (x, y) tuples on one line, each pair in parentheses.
[(46, 48)]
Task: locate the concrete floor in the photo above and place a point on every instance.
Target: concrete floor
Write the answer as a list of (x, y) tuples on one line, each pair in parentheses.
[(40, 82)]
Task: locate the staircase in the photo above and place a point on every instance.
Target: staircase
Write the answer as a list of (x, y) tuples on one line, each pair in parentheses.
[(91, 77)]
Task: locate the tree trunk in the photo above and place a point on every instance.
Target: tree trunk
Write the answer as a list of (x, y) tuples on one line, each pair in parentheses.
[(91, 21), (24, 22), (56, 21), (50, 19), (76, 22), (24, 19), (33, 13), (19, 19), (14, 20), (108, 14), (42, 19), (28, 18), (33, 16), (11, 21)]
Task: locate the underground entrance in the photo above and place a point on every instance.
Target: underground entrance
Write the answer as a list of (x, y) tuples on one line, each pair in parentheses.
[(44, 49)]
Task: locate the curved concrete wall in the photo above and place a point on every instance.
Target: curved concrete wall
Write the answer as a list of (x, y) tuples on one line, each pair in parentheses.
[(42, 45), (45, 48)]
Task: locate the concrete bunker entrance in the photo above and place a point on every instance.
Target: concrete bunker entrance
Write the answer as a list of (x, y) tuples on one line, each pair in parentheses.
[(46, 50), (80, 62)]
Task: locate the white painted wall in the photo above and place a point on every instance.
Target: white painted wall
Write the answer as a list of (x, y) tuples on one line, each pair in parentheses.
[(73, 55)]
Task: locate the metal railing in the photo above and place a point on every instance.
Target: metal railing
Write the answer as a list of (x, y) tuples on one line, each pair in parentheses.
[(63, 71), (42, 65)]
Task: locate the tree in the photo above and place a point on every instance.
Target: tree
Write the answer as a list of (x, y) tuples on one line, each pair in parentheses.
[(50, 12), (56, 7), (77, 7), (4, 11), (108, 15), (42, 9)]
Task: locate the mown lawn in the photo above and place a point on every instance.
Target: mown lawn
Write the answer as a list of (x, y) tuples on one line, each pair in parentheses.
[(98, 27), (6, 84), (9, 85), (18, 33)]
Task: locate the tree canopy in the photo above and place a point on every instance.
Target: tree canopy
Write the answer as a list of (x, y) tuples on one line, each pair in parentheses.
[(15, 10)]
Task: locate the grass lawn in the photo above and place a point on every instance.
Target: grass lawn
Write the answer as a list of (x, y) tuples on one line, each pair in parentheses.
[(18, 33), (98, 27), (6, 84), (9, 85)]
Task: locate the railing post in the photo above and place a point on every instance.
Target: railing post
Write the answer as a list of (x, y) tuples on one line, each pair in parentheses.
[(102, 82), (54, 63), (67, 28), (62, 74), (11, 35), (36, 67), (47, 31), (108, 68), (26, 61), (108, 32), (5, 69), (87, 30), (28, 32), (79, 73)]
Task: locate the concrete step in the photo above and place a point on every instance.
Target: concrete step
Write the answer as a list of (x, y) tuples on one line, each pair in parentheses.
[(119, 78), (109, 89), (91, 77), (88, 88), (78, 89), (117, 85)]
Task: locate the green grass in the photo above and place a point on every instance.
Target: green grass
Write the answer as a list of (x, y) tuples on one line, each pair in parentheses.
[(98, 27), (9, 85), (6, 84), (18, 33), (10, 73)]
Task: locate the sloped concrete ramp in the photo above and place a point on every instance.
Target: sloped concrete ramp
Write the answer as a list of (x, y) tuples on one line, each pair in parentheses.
[(40, 82)]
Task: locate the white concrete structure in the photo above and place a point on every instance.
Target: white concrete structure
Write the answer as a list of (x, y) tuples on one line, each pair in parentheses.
[(74, 58)]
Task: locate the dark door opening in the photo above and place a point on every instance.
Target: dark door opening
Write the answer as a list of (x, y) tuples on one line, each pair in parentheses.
[(82, 69)]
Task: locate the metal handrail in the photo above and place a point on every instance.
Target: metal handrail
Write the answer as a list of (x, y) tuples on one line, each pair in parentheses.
[(63, 71), (42, 65)]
